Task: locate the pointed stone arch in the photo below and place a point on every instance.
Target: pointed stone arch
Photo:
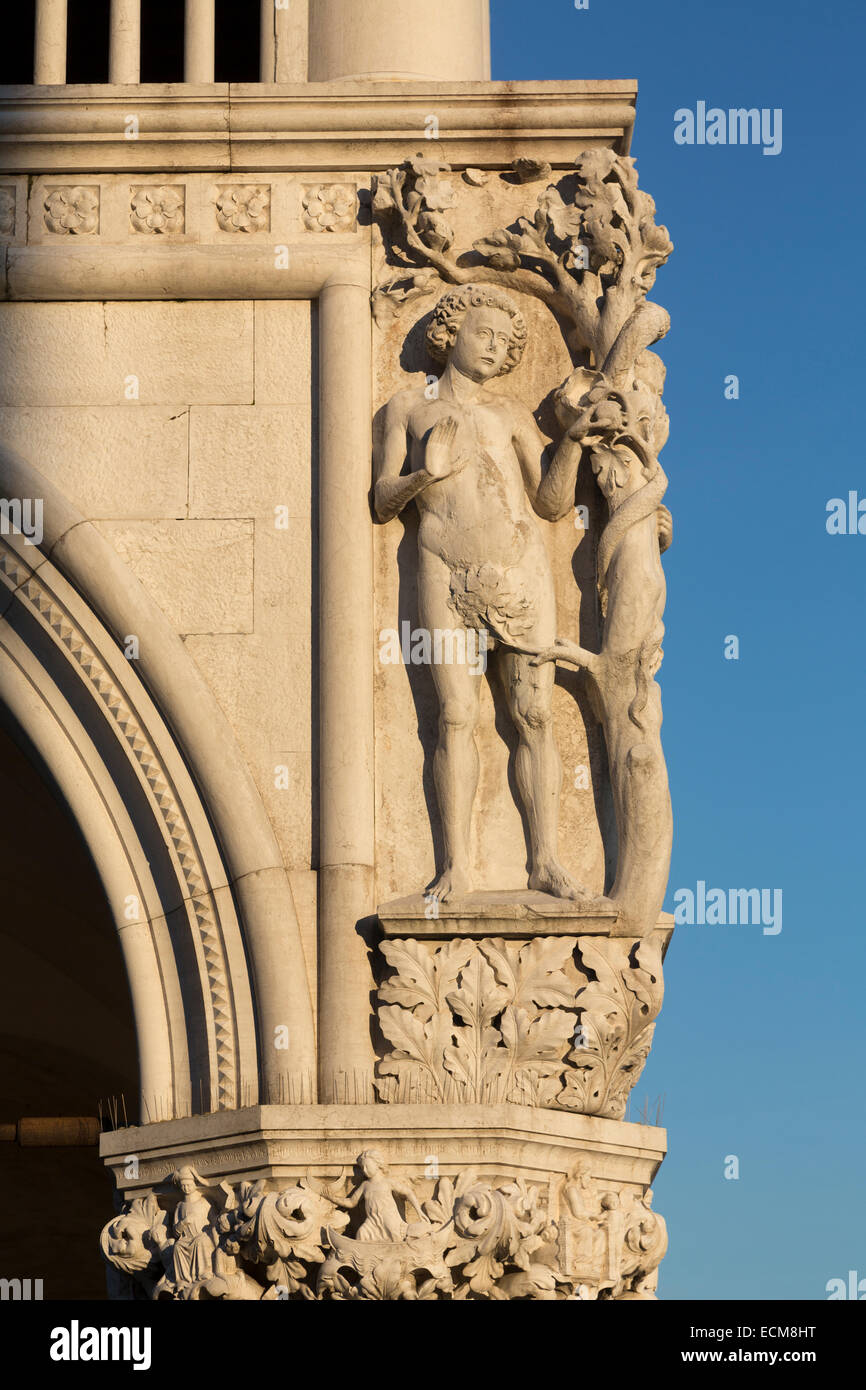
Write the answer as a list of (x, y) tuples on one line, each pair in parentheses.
[(152, 774)]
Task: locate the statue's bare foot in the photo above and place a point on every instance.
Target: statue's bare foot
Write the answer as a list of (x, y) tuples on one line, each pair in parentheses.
[(453, 882), (552, 878)]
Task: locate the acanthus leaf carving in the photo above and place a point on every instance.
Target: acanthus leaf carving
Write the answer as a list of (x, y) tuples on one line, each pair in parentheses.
[(617, 1013), (490, 1021)]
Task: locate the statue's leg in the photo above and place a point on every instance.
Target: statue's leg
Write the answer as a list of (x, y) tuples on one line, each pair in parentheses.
[(529, 692), (455, 762)]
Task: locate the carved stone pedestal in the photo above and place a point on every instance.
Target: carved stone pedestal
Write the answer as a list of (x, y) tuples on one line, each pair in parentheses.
[(385, 1202)]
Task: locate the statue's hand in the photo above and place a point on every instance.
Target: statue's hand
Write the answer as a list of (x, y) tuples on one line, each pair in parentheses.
[(438, 458), (569, 652), (554, 653), (665, 527), (539, 656)]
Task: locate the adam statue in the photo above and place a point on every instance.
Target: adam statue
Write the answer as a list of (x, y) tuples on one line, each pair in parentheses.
[(477, 471)]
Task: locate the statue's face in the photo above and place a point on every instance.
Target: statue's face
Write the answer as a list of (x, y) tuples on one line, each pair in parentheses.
[(482, 343)]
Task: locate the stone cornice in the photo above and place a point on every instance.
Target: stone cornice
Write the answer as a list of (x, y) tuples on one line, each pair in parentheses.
[(289, 1140), (307, 127)]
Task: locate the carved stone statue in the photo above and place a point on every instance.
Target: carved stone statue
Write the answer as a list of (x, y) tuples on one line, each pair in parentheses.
[(619, 422), (473, 1239), (476, 463), (190, 1255), (590, 252), (382, 1219)]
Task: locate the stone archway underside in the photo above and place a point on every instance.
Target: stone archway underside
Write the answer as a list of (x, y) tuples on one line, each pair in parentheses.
[(204, 914)]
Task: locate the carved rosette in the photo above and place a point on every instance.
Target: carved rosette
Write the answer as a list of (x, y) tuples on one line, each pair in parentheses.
[(158, 211), (557, 1022), (470, 1239), (72, 211), (330, 207), (243, 208)]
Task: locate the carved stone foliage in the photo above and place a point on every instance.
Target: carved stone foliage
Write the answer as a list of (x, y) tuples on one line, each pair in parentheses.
[(158, 210), (556, 1022), (617, 1010), (330, 207), (243, 208), (589, 249), (469, 1239), (7, 210), (72, 211)]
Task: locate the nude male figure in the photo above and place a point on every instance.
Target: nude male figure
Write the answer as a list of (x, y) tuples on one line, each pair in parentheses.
[(477, 462)]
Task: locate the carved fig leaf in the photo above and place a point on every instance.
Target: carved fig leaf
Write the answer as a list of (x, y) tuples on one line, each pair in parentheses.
[(388, 296), (503, 249), (567, 221)]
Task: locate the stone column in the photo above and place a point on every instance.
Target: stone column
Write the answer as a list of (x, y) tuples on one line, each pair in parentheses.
[(198, 52), (283, 53), (124, 54), (379, 40), (346, 693), (50, 45)]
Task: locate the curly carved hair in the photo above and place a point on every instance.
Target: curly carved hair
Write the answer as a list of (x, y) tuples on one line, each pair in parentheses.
[(452, 310)]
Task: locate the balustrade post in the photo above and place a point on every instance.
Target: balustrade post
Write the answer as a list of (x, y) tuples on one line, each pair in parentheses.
[(199, 41), (49, 67), (124, 51)]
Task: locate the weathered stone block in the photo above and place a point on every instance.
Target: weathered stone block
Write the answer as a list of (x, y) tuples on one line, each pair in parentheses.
[(199, 572)]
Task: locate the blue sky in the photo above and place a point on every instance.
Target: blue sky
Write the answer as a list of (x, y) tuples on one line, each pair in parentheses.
[(759, 1049)]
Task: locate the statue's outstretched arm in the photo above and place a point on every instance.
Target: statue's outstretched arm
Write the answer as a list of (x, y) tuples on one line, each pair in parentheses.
[(549, 482), (555, 496), (563, 650)]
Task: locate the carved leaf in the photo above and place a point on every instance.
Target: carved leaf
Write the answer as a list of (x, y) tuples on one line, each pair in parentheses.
[(475, 1060), (440, 1209), (424, 973), (387, 297), (533, 971), (616, 1011), (537, 1042), (502, 249), (420, 1046), (566, 220)]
